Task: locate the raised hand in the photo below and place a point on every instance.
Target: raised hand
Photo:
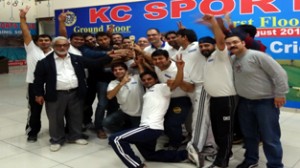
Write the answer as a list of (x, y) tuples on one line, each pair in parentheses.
[(24, 11), (139, 60), (110, 29), (179, 62), (63, 16), (125, 79), (180, 25)]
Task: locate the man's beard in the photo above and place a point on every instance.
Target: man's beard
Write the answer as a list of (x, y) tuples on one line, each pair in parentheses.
[(207, 54)]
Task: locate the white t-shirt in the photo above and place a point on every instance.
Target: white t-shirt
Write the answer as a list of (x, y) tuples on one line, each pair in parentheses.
[(150, 49), (218, 74), (74, 50), (33, 55), (170, 73), (194, 66), (194, 62), (156, 102), (129, 96), (172, 52)]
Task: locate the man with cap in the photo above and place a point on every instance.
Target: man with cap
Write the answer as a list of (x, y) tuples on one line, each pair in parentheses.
[(218, 83)]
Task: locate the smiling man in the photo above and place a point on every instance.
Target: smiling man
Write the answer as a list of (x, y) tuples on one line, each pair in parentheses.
[(261, 84)]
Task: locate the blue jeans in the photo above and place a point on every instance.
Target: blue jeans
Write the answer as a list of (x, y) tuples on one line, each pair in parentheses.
[(259, 120), (102, 103)]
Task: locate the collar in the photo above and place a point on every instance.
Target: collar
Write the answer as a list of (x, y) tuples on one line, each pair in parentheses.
[(57, 57), (162, 46)]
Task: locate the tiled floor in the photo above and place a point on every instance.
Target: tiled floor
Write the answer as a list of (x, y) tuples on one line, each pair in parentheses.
[(15, 152)]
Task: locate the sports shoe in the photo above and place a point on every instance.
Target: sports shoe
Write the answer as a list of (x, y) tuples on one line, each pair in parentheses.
[(55, 147), (211, 158), (81, 141), (194, 157), (32, 138), (244, 164), (213, 166)]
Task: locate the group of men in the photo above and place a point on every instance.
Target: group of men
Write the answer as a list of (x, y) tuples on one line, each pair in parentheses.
[(148, 90)]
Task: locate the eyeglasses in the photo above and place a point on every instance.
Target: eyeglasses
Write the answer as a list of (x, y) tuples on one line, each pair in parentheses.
[(61, 45), (233, 42)]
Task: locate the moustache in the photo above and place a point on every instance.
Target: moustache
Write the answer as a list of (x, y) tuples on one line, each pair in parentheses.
[(231, 48)]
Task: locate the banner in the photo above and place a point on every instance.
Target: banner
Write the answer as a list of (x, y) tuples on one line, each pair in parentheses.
[(11, 42), (277, 22)]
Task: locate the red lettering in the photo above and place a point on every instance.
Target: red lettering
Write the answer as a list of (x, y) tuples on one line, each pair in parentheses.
[(296, 5), (177, 7), (265, 5), (156, 11), (114, 13), (227, 6), (100, 14)]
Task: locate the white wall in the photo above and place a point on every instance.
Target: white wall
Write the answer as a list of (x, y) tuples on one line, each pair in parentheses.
[(63, 4), (9, 13)]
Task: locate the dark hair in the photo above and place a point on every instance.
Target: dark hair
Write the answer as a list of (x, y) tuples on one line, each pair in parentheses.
[(42, 36), (118, 34), (101, 34), (119, 64), (160, 52), (151, 73), (76, 35), (207, 39), (170, 32), (87, 35), (189, 33), (250, 29), (237, 33), (154, 29)]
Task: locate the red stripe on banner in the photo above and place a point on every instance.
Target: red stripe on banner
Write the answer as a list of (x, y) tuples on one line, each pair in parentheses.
[(17, 63)]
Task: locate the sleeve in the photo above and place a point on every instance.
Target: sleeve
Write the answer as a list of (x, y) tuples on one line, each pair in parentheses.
[(39, 79), (222, 55), (90, 53), (276, 73), (165, 89)]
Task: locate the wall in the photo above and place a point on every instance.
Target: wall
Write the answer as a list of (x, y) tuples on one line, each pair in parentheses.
[(10, 13), (61, 4)]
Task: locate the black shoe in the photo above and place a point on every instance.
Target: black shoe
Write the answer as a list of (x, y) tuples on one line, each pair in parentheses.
[(247, 165), (84, 136), (32, 138)]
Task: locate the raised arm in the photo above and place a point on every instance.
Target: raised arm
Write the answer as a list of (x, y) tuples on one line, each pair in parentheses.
[(24, 27), (112, 93), (179, 75), (62, 25), (218, 33)]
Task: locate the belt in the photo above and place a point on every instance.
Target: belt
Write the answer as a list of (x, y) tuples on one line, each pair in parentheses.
[(68, 90)]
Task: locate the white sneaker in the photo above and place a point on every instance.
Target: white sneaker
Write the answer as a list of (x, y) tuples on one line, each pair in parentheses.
[(55, 147), (193, 155), (81, 141)]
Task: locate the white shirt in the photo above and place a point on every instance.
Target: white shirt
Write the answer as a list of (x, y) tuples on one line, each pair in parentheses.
[(33, 55), (170, 73), (65, 74), (218, 74), (74, 50), (194, 66), (156, 102), (172, 52), (194, 62), (129, 96), (150, 49)]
